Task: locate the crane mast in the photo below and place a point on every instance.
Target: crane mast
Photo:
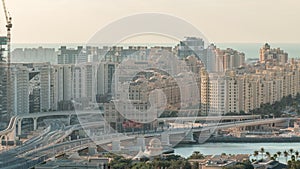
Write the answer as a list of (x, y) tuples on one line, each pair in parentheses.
[(8, 28), (7, 41)]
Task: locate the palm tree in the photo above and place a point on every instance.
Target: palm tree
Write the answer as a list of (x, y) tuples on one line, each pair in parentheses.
[(293, 157), (255, 154), (268, 154), (196, 155), (262, 151), (279, 154), (297, 154), (291, 151), (286, 154)]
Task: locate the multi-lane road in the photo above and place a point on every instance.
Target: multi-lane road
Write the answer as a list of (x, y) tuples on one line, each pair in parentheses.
[(51, 134), (50, 142)]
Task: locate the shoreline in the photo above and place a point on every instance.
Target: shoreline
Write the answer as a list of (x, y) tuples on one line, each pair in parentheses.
[(253, 140)]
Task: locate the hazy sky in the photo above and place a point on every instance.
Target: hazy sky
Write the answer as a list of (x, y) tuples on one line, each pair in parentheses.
[(75, 21)]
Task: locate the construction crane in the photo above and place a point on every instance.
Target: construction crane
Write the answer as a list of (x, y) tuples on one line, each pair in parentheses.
[(7, 40), (8, 28)]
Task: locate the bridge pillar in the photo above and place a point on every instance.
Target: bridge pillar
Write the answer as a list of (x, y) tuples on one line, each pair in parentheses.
[(204, 135), (116, 145), (141, 143), (19, 127), (1, 139), (6, 140), (35, 123), (92, 150), (69, 119), (165, 139), (189, 136), (12, 135)]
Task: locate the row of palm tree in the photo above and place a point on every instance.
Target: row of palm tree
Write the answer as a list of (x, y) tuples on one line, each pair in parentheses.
[(278, 107), (291, 152)]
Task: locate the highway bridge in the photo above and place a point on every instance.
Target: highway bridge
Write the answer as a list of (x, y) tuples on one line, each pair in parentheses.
[(10, 132), (50, 142)]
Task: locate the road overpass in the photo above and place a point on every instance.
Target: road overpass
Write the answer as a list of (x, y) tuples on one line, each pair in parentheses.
[(37, 155), (209, 118), (17, 120), (9, 132)]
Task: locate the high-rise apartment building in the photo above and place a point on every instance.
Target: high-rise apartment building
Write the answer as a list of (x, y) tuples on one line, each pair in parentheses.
[(204, 92), (34, 55), (234, 92), (79, 78), (246, 92), (105, 76), (34, 100), (44, 70), (74, 84), (267, 54), (227, 59), (217, 94), (91, 81), (4, 116), (71, 56), (62, 87), (192, 46), (213, 58), (20, 85)]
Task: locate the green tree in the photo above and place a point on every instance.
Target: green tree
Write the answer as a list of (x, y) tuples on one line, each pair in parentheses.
[(195, 165), (291, 151), (293, 164), (173, 157), (297, 154), (275, 157), (255, 154), (196, 155), (286, 155), (141, 165), (262, 151), (268, 154), (293, 158), (120, 163), (279, 154)]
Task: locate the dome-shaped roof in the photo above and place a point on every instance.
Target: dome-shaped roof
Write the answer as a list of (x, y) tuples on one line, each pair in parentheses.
[(155, 142)]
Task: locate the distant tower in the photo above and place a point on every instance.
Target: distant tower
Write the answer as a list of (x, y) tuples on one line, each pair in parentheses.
[(192, 46), (204, 85), (275, 55), (263, 50)]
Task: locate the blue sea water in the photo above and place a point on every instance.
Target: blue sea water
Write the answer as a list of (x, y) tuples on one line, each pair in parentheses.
[(236, 148), (252, 49)]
